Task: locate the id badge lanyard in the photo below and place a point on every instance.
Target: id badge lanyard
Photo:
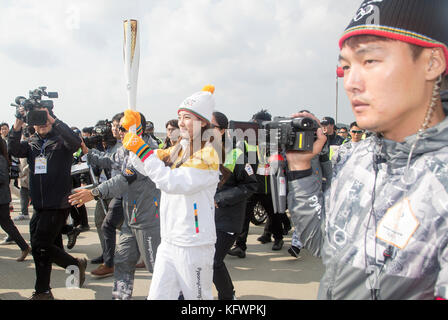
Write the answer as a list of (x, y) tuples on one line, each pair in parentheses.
[(41, 163)]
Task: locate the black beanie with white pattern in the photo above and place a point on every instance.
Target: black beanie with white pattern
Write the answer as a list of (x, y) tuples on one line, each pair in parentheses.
[(420, 22)]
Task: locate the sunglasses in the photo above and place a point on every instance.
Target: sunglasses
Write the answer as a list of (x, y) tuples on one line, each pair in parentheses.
[(357, 131)]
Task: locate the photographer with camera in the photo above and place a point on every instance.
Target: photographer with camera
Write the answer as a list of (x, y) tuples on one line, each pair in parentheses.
[(49, 153), (276, 222), (102, 139), (381, 229)]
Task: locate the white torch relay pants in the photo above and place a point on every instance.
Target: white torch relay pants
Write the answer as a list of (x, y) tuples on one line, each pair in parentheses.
[(182, 269)]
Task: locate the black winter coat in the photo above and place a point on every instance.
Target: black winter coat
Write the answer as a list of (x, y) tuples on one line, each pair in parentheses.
[(50, 190), (5, 194), (231, 197)]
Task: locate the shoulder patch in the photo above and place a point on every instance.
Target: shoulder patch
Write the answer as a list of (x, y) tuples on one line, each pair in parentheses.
[(130, 175), (249, 169)]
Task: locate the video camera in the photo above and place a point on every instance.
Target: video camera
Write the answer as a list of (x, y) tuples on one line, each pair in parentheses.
[(277, 137), (32, 116), (297, 134), (101, 132)]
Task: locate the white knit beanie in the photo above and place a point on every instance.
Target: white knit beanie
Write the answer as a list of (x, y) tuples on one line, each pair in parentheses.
[(201, 104)]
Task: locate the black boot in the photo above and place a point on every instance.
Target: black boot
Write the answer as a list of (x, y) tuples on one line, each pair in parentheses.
[(278, 245), (237, 252), (72, 236), (264, 238)]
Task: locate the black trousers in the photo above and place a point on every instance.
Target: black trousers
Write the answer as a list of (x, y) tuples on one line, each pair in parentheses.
[(79, 216), (46, 243), (273, 224), (24, 200), (113, 220), (221, 276), (10, 228)]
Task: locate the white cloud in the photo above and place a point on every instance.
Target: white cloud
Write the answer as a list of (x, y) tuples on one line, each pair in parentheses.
[(280, 55)]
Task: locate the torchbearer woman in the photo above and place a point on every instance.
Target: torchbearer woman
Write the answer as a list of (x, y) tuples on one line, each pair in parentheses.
[(187, 175)]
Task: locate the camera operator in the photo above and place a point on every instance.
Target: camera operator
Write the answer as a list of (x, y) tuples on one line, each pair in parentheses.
[(49, 153), (382, 227), (102, 139), (276, 222)]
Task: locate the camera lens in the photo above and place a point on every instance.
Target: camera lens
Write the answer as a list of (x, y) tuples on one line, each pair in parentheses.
[(303, 123)]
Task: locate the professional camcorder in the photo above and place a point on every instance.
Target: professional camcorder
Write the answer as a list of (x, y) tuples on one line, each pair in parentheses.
[(33, 116), (288, 134), (274, 138), (102, 132), (297, 134)]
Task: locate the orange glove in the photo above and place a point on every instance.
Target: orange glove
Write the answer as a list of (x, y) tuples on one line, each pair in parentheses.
[(135, 144), (131, 118)]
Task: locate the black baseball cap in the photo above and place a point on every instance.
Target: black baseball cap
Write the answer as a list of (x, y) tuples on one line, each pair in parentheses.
[(327, 120)]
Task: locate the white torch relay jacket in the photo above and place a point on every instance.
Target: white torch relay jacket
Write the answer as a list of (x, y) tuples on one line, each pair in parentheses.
[(187, 207)]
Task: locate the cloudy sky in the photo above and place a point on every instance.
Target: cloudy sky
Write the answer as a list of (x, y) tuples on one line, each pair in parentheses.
[(280, 55)]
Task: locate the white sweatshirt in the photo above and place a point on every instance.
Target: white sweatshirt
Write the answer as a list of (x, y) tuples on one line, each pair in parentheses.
[(187, 206)]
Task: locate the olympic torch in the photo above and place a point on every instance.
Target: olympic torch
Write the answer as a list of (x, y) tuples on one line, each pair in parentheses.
[(131, 55)]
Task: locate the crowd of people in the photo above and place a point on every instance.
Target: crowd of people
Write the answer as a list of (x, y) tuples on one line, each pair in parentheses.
[(363, 199), (130, 202)]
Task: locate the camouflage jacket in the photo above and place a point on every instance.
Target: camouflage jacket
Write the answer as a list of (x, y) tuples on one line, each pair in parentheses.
[(380, 229)]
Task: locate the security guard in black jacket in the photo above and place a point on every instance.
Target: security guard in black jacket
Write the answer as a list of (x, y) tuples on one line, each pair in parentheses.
[(230, 201), (49, 153)]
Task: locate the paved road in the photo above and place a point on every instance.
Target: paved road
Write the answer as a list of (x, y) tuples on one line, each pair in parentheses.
[(263, 275)]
